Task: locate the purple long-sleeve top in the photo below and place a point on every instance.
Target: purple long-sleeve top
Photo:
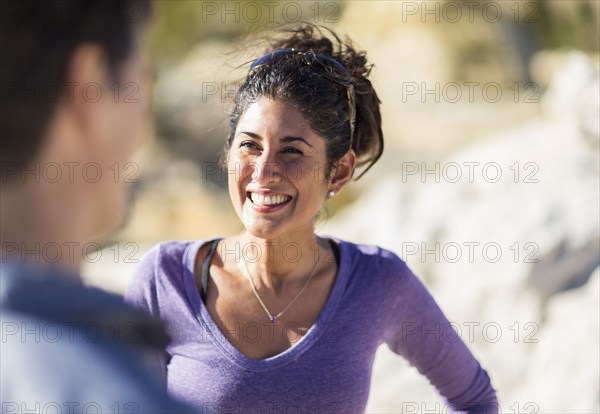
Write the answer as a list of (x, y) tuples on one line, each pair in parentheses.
[(375, 299)]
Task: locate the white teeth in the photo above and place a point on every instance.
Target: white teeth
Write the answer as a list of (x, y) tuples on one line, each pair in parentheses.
[(269, 200)]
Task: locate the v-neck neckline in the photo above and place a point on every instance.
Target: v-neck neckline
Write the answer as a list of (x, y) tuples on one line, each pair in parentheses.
[(227, 348)]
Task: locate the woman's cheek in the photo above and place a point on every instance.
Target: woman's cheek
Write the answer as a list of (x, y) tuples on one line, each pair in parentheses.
[(294, 172), (247, 169), (236, 170)]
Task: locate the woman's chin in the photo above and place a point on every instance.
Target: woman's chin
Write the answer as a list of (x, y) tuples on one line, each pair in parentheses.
[(263, 231), (263, 228)]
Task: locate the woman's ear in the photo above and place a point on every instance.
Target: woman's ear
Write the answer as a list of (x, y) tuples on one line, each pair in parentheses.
[(343, 172)]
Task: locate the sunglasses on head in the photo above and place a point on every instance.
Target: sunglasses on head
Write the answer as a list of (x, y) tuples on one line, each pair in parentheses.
[(323, 64)]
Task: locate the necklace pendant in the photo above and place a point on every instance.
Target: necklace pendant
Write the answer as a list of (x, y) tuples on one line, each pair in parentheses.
[(273, 319)]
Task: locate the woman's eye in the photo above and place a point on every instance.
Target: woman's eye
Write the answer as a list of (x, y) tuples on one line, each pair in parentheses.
[(248, 144), (292, 150)]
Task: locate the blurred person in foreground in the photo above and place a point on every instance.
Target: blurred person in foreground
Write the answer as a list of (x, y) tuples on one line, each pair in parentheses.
[(67, 68), (276, 318)]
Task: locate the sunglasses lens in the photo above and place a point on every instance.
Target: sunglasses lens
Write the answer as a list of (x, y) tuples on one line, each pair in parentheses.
[(271, 57), (329, 67), (324, 64)]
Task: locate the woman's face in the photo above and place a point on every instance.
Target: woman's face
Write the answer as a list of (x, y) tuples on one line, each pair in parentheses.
[(276, 170)]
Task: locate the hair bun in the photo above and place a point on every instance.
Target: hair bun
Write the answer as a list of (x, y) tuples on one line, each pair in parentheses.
[(322, 104)]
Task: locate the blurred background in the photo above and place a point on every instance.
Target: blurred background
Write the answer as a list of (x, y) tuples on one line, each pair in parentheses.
[(488, 186)]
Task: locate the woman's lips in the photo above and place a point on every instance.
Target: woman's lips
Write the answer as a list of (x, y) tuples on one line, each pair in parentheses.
[(268, 203)]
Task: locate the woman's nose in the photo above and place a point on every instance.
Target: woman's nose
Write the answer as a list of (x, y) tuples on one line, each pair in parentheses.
[(267, 168)]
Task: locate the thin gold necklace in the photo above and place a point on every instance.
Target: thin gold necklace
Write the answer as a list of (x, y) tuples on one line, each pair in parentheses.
[(274, 318)]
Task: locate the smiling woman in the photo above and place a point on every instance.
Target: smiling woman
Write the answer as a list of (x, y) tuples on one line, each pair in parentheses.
[(276, 318), (279, 154)]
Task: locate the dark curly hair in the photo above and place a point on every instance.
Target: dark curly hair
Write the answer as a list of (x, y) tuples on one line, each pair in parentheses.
[(323, 103)]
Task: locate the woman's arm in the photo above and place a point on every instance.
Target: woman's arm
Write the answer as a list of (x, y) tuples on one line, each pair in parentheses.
[(417, 329), (141, 293)]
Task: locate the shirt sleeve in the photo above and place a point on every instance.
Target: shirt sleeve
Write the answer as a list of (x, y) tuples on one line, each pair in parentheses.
[(417, 329), (141, 290), (142, 294)]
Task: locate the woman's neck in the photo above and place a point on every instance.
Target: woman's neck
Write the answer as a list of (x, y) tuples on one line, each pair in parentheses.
[(277, 261)]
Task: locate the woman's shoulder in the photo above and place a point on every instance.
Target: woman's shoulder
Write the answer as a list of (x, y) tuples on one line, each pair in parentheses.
[(166, 252), (162, 273), (171, 252), (398, 284), (165, 261), (381, 268), (370, 254), (366, 249)]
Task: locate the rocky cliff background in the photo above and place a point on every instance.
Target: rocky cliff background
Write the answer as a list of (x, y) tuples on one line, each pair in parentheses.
[(492, 198)]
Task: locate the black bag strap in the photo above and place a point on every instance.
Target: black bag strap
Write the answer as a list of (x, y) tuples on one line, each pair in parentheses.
[(336, 250), (206, 267)]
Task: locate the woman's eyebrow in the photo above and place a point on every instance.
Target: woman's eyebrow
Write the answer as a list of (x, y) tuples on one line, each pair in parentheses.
[(291, 139), (284, 139), (250, 134)]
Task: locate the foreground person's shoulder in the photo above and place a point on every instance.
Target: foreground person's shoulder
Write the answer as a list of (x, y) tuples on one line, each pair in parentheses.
[(73, 369)]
